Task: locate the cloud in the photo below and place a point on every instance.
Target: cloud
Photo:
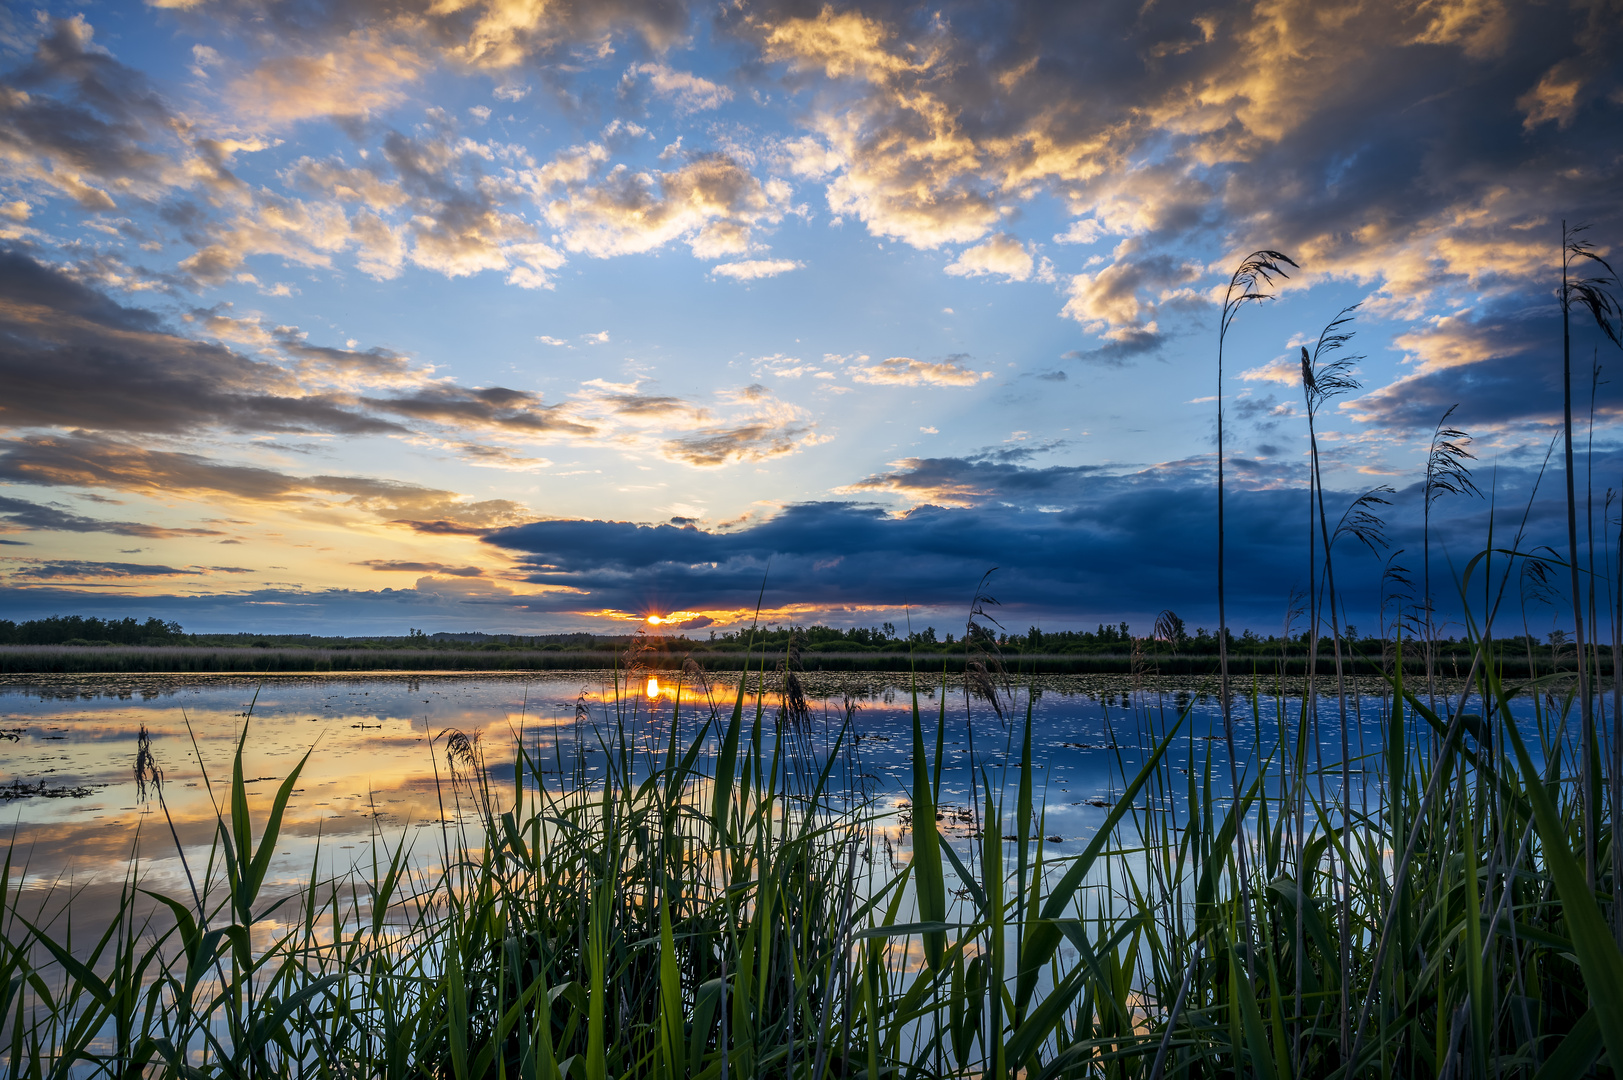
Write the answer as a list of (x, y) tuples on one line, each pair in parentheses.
[(1071, 541), (312, 365), (28, 515), (1074, 546), (740, 425), (660, 408), (1285, 370), (400, 566), (75, 361), (689, 92), (1121, 348), (899, 159), (495, 408), (98, 462), (930, 558), (973, 481), (712, 203), (439, 211), (72, 358), (500, 37), (1500, 364), (716, 446), (80, 569), (77, 123), (502, 34), (304, 233), (1113, 302), (753, 269), (1000, 254), (358, 77), (365, 186), (905, 371), (1340, 141)]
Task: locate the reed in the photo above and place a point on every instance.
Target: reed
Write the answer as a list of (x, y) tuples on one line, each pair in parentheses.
[(720, 904)]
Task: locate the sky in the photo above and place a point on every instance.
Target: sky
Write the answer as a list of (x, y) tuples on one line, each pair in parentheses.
[(356, 316)]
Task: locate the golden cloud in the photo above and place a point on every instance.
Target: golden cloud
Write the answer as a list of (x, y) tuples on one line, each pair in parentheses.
[(359, 77), (905, 371)]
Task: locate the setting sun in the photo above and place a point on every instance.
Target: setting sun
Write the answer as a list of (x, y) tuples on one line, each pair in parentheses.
[(654, 620), (653, 688)]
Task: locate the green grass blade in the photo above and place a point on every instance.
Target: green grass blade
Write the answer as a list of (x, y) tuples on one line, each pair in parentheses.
[(1592, 942), (927, 877)]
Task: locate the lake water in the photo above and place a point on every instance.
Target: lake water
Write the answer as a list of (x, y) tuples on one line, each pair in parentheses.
[(376, 756)]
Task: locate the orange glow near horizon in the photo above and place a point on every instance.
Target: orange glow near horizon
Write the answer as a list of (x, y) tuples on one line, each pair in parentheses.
[(742, 618)]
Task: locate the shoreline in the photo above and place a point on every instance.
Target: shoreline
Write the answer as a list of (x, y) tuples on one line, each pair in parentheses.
[(208, 659), (816, 684)]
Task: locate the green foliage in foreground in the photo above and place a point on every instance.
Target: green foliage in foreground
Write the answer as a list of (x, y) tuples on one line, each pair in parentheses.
[(712, 909)]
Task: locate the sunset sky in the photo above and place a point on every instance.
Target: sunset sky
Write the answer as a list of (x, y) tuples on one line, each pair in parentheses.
[(517, 315)]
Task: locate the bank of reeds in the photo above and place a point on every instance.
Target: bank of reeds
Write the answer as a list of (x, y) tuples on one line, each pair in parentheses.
[(720, 904)]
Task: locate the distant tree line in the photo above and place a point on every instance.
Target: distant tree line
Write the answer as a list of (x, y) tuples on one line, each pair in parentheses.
[(89, 630), (1107, 639)]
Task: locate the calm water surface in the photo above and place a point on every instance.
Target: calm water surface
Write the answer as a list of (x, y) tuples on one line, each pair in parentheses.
[(376, 751)]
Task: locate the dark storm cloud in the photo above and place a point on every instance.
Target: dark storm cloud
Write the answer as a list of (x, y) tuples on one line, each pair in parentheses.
[(844, 554), (1091, 555), (1072, 546), (961, 481)]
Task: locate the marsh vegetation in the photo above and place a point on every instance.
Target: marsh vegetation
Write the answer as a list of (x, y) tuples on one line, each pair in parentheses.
[(713, 905)]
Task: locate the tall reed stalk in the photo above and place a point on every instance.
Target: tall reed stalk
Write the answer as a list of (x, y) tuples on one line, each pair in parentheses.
[(1249, 283), (1596, 294), (1446, 474)]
